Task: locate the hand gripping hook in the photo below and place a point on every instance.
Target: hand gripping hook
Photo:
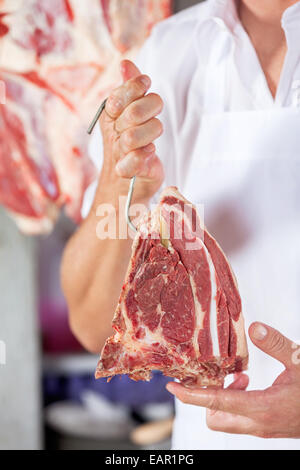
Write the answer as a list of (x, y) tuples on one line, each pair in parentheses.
[(132, 181)]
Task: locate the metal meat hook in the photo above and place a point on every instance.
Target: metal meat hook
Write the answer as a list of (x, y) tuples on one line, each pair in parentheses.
[(132, 181)]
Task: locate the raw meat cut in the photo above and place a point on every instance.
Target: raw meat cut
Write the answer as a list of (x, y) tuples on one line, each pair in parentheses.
[(38, 174), (179, 310), (58, 60)]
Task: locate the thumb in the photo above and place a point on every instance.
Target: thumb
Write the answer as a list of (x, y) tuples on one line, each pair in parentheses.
[(129, 70), (272, 342)]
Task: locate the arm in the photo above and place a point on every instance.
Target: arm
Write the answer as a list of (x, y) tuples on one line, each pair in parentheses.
[(270, 413), (93, 270)]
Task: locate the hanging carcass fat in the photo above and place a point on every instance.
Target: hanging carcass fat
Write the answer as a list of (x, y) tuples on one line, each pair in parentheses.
[(58, 60), (179, 310)]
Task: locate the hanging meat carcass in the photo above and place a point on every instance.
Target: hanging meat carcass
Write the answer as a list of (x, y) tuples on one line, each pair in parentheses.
[(58, 60)]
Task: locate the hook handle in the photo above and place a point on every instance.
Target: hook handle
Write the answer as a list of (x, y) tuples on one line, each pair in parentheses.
[(97, 116), (128, 202)]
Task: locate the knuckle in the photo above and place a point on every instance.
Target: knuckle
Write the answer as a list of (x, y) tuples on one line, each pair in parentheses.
[(129, 138), (213, 403), (134, 114), (158, 126), (276, 342), (136, 158), (136, 87), (134, 161), (114, 103), (127, 166), (158, 100)]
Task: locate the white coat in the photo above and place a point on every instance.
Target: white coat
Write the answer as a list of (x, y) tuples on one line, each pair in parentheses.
[(229, 145)]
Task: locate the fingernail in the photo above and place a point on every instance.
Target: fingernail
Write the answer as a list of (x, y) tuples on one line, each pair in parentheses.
[(145, 80), (260, 332)]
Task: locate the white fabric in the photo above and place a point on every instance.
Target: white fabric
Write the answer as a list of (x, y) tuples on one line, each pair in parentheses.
[(229, 145)]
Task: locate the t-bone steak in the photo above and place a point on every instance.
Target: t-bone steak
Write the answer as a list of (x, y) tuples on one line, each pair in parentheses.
[(179, 310)]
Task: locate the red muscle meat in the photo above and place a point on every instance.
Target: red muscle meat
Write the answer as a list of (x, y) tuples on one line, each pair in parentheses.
[(38, 172), (179, 310)]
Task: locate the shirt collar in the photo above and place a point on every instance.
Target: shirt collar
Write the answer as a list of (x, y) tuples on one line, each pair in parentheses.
[(224, 14), (291, 17)]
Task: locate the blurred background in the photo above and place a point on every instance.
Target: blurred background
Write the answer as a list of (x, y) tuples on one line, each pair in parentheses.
[(57, 63)]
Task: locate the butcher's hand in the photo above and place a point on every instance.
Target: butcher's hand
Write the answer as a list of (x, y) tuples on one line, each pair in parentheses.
[(270, 413), (129, 127)]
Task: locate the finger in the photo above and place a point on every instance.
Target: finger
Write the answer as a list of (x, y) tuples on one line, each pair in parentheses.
[(232, 401), (134, 162), (139, 112), (273, 343), (129, 70), (140, 136), (122, 96), (241, 382), (230, 423)]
